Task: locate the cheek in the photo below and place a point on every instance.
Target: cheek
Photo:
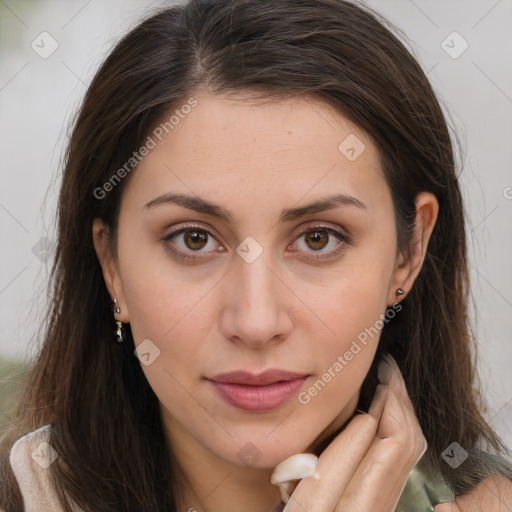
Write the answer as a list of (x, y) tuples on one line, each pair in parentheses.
[(352, 304), (160, 295), (175, 313), (170, 308), (353, 298)]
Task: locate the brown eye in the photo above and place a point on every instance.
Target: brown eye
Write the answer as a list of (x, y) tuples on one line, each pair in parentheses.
[(191, 242), (195, 239), (327, 242), (317, 239)]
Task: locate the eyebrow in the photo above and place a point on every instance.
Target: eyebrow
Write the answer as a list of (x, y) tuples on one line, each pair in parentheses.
[(200, 205)]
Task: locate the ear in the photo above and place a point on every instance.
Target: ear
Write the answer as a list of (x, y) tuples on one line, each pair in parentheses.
[(100, 236), (407, 269)]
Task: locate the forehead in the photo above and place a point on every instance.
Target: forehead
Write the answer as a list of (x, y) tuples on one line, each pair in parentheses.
[(285, 148)]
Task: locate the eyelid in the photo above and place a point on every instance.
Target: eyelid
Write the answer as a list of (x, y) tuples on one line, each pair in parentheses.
[(343, 237), (185, 227), (327, 227)]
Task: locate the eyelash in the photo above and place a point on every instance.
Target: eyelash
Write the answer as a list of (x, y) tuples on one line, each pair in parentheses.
[(344, 240)]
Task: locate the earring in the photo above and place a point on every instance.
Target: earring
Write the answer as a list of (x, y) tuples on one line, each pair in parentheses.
[(399, 291), (119, 330)]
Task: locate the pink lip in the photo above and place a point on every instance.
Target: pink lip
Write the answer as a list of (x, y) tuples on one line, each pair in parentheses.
[(262, 392)]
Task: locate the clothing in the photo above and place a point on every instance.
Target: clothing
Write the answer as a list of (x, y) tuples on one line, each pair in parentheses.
[(29, 464), (31, 456)]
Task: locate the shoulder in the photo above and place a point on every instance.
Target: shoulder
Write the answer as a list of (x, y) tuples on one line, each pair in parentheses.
[(492, 494), (30, 458), (482, 484), (31, 448)]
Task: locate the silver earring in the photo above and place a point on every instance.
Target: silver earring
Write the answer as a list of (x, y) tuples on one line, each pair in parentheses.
[(119, 330), (399, 291)]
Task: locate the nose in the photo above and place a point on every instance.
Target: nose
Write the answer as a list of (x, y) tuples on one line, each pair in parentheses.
[(254, 310)]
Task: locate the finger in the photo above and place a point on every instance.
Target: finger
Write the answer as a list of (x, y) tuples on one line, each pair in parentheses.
[(398, 420), (376, 409), (400, 416), (379, 400), (380, 478), (335, 467), (389, 374)]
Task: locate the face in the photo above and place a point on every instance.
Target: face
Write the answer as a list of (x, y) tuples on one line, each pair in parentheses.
[(243, 273)]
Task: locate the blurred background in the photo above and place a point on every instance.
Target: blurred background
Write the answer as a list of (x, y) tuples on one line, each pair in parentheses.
[(49, 51)]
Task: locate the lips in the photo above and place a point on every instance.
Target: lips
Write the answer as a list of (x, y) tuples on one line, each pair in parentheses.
[(258, 393), (262, 379)]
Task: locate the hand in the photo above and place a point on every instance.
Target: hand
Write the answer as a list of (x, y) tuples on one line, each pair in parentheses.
[(366, 466)]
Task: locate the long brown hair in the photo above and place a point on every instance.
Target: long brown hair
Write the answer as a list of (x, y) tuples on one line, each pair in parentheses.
[(106, 423)]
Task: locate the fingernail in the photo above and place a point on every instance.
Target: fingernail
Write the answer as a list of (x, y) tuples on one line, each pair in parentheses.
[(386, 368)]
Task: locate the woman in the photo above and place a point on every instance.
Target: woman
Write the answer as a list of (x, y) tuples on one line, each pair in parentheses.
[(260, 205)]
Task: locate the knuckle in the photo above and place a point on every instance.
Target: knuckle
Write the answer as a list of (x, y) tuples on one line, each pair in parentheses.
[(368, 423), (394, 448)]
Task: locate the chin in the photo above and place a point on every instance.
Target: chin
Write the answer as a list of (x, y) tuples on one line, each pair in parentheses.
[(260, 451)]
